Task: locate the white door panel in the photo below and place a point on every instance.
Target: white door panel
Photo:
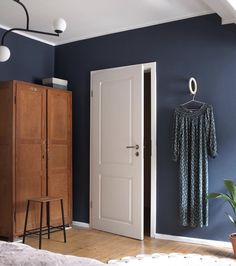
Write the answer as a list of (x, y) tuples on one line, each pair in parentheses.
[(112, 188), (116, 171), (111, 117)]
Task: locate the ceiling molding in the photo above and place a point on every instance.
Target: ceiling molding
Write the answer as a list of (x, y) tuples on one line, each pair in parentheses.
[(111, 30), (90, 19), (153, 23), (224, 9)]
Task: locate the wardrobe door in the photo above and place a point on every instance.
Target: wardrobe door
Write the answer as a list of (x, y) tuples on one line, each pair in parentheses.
[(59, 151), (30, 152)]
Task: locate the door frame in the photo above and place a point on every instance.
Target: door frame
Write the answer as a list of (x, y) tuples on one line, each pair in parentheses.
[(148, 67)]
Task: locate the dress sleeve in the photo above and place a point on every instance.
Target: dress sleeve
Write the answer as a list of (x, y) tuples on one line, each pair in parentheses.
[(175, 146), (212, 145)]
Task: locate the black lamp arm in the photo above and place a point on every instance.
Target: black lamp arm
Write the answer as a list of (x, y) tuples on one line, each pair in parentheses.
[(26, 30), (26, 12), (27, 26)]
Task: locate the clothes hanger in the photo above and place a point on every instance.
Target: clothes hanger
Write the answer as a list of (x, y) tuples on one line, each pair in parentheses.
[(193, 101), (193, 90)]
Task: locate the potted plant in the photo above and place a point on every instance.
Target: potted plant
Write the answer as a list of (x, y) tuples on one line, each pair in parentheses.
[(230, 197)]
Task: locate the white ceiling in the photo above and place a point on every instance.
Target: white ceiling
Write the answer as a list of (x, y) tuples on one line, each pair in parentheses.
[(91, 18)]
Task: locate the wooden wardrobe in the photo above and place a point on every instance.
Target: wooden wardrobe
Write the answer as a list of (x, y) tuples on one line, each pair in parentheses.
[(35, 153)]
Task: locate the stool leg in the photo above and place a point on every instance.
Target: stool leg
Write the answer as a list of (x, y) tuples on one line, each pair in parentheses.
[(63, 220), (26, 220), (48, 218), (40, 229)]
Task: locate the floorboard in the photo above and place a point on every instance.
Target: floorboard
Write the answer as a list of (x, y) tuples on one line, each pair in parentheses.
[(105, 246)]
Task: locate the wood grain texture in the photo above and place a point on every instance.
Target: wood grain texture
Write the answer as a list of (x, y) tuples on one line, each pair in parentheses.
[(59, 149), (23, 152), (105, 246), (30, 152)]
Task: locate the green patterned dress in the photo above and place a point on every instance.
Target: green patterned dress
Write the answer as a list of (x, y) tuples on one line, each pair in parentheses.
[(194, 139)]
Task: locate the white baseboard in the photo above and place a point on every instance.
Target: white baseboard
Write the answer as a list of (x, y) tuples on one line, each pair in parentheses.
[(194, 240), (80, 224)]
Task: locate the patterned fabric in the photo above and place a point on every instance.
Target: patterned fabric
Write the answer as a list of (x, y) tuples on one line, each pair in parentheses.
[(172, 259), (194, 139)]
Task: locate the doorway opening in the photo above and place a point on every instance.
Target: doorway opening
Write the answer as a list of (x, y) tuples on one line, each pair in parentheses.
[(147, 152), (150, 149)]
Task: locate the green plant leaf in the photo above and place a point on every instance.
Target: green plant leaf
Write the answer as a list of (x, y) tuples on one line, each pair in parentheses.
[(231, 187), (231, 219), (221, 196), (224, 197), (213, 195), (230, 197)]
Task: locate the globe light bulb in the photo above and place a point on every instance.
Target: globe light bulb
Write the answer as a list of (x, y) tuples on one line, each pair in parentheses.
[(59, 25), (4, 53)]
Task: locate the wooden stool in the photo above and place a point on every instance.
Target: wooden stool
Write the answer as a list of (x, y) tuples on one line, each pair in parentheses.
[(43, 200)]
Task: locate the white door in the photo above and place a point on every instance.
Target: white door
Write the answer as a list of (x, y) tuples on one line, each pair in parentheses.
[(117, 150)]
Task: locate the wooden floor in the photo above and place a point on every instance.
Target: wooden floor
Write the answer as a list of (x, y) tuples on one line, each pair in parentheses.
[(105, 246)]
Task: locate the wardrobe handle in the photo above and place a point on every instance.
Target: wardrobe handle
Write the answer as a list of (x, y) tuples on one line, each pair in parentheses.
[(43, 149)]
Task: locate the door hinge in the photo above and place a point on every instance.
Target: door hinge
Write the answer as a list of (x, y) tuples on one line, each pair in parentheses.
[(91, 204), (91, 93)]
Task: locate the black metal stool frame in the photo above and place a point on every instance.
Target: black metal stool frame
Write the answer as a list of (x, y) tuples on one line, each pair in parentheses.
[(39, 230)]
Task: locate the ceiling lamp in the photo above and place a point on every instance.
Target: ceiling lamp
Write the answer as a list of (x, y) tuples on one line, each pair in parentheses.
[(58, 24)]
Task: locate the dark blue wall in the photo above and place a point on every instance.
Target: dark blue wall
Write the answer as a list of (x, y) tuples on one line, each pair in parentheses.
[(198, 47), (30, 60)]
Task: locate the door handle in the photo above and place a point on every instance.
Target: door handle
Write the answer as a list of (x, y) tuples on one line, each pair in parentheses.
[(133, 147)]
